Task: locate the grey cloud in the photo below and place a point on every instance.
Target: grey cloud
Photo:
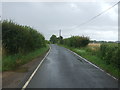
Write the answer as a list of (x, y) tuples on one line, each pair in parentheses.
[(48, 18)]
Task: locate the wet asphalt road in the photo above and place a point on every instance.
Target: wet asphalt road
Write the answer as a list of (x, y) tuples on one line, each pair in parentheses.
[(62, 69)]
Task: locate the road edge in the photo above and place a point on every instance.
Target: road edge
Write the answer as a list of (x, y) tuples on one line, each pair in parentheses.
[(31, 76), (92, 64)]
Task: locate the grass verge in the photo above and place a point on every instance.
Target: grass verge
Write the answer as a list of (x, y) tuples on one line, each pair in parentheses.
[(109, 68), (11, 62)]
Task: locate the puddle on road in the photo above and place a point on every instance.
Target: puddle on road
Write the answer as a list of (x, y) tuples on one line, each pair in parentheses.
[(80, 60)]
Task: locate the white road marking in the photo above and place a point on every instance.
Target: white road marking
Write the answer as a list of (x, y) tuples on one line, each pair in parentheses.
[(26, 84), (92, 64)]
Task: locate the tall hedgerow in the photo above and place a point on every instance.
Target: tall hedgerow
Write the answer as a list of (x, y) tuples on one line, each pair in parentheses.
[(20, 39)]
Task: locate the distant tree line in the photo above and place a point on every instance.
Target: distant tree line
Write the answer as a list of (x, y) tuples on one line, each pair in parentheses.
[(94, 41), (54, 39), (73, 41), (20, 39)]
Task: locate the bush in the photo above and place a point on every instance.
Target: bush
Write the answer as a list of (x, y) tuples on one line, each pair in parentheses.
[(20, 39), (76, 41), (109, 53)]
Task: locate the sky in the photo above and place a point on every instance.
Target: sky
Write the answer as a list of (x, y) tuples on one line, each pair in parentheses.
[(50, 17)]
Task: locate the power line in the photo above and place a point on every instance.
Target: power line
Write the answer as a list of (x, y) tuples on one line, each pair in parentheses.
[(98, 15)]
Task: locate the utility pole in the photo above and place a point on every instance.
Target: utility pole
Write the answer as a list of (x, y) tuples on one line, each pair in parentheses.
[(59, 32), (60, 37)]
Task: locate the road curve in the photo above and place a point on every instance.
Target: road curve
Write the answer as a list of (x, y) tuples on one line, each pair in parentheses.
[(62, 69)]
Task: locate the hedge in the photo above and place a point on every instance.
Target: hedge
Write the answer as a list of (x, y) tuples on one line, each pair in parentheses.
[(20, 39)]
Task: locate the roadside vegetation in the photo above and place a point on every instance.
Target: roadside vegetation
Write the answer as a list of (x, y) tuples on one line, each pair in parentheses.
[(11, 62), (20, 44), (109, 61), (103, 54)]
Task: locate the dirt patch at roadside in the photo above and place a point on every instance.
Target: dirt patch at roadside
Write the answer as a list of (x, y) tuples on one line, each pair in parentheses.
[(18, 77)]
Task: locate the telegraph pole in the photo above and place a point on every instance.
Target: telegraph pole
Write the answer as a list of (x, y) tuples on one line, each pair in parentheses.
[(60, 37), (59, 32)]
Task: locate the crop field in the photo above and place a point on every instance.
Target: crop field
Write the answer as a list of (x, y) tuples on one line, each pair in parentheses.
[(94, 44)]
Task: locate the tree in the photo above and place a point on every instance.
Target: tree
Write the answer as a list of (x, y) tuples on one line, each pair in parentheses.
[(60, 39), (53, 39)]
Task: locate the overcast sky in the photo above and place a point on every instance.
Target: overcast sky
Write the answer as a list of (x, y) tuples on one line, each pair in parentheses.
[(49, 17)]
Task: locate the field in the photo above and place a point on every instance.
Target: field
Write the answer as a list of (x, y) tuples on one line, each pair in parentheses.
[(94, 46)]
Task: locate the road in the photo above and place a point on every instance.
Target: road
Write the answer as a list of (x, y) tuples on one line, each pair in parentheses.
[(62, 69)]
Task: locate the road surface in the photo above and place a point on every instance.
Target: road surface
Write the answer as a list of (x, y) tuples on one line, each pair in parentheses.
[(62, 69)]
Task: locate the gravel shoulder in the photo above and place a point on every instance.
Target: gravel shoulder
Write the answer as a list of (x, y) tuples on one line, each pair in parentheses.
[(18, 77)]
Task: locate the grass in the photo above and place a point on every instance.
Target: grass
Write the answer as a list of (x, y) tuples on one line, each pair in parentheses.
[(11, 62), (86, 53)]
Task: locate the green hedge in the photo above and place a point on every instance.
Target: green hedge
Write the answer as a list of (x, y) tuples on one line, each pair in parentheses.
[(76, 41), (20, 39), (110, 53)]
